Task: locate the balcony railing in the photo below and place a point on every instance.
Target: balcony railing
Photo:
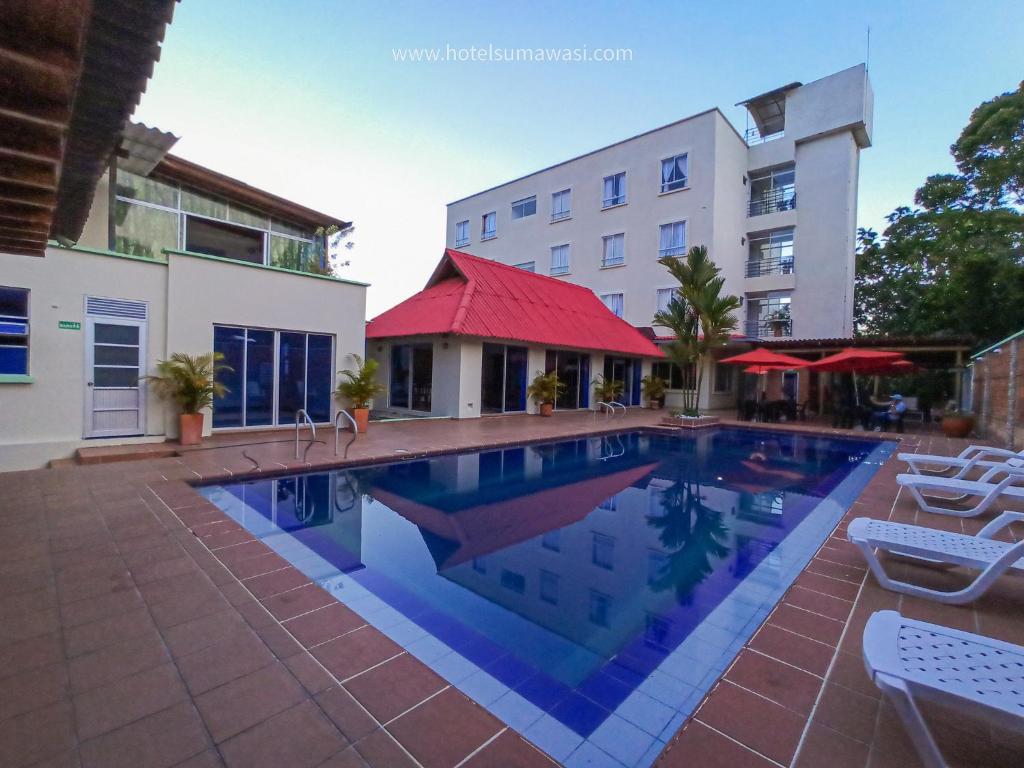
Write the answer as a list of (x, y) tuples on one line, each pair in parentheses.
[(772, 201), (769, 329), (753, 136), (773, 265)]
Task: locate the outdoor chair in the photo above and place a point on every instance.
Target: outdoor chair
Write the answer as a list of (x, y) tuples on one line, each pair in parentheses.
[(912, 661), (975, 457), (980, 552), (983, 488)]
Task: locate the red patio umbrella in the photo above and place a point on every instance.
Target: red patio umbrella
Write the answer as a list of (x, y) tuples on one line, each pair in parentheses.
[(764, 360), (853, 360)]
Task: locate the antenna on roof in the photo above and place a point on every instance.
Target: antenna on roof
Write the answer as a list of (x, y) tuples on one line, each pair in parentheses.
[(867, 53)]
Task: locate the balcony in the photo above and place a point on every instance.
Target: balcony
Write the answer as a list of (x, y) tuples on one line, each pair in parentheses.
[(769, 329), (773, 265), (753, 136), (773, 201)]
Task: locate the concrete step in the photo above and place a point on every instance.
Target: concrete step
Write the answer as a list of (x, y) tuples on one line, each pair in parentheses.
[(108, 454)]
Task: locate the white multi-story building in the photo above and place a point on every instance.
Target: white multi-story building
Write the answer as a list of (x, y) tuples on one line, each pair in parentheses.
[(776, 208)]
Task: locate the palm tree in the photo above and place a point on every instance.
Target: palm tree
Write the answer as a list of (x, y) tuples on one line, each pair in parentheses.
[(699, 316)]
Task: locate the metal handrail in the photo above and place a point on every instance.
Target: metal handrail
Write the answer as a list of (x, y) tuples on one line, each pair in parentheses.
[(770, 265), (616, 403), (611, 406), (302, 417), (337, 430), (772, 200)]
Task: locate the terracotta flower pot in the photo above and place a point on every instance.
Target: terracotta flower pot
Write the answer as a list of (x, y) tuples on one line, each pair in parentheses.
[(546, 409), (362, 417), (190, 428), (957, 426)]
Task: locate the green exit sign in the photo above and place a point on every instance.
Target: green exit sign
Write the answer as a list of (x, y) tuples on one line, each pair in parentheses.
[(69, 325)]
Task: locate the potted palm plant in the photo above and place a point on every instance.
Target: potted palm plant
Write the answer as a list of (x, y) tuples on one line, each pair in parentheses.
[(654, 388), (957, 423), (191, 382), (607, 390), (359, 388), (544, 390)]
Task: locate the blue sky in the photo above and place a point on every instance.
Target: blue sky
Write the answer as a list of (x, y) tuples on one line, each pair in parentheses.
[(304, 98)]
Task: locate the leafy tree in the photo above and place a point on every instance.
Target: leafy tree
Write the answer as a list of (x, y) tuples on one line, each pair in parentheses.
[(699, 316), (954, 264)]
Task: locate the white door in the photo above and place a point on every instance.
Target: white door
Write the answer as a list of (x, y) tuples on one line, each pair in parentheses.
[(115, 356)]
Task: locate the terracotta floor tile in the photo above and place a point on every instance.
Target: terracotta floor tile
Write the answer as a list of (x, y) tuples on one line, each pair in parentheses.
[(256, 566), (827, 585), (762, 725), (112, 662), (847, 712), (698, 745), (86, 638), (309, 672), (824, 605), (823, 746), (347, 715), (187, 606), (300, 737), (276, 582), (130, 698), (445, 729), (158, 741), (32, 689), (191, 636), (347, 758), (510, 750), (393, 687), (102, 607), (808, 624), (246, 701), (25, 655), (29, 738), (380, 750), (278, 640), (848, 671), (290, 604), (782, 683), (355, 652), (325, 624), (802, 652), (238, 655)]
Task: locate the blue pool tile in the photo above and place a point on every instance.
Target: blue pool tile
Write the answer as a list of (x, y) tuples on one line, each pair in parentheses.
[(669, 690), (428, 649), (587, 755), (482, 651), (605, 689), (622, 740), (405, 633), (454, 667), (646, 713), (553, 737), (483, 688), (684, 668), (542, 690), (650, 755), (516, 712), (677, 720), (626, 674), (580, 713), (510, 670)]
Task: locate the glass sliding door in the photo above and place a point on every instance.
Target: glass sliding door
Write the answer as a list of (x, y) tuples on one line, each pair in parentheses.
[(401, 366), (272, 375), (627, 371), (503, 379), (422, 376), (573, 370), (259, 378), (412, 375)]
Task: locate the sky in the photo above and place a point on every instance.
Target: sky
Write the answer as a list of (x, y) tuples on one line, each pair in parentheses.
[(307, 98)]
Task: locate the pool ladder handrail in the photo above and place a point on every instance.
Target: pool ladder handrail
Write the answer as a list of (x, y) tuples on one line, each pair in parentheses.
[(301, 417), (611, 406), (337, 430)]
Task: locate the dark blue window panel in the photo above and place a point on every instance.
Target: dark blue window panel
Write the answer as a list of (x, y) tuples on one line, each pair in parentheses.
[(13, 302), (13, 359), (291, 380), (227, 409), (13, 328), (259, 378), (401, 367), (584, 381), (635, 393), (319, 375), (515, 379)]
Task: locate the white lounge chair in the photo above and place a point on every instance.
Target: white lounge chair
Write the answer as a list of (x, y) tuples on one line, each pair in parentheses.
[(912, 660), (981, 552), (975, 457), (984, 488)]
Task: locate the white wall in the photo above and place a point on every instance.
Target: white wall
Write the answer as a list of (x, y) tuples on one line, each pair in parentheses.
[(44, 419)]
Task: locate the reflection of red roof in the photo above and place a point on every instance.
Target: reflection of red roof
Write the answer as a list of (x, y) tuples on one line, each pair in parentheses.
[(480, 530), (470, 296)]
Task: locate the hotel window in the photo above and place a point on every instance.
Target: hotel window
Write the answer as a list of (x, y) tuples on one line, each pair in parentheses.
[(600, 608), (673, 173), (561, 205), (560, 260), (525, 207), (272, 375), (724, 378), (673, 239), (552, 540), (665, 296), (549, 587), (13, 330), (614, 302), (412, 375), (513, 581), (614, 252), (489, 226), (614, 190), (656, 630), (462, 233), (602, 551), (772, 191), (527, 266), (676, 377)]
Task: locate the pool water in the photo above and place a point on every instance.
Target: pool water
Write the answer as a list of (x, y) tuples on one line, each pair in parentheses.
[(589, 591)]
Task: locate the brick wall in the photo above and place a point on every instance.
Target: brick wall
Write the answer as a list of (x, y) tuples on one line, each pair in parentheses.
[(997, 394)]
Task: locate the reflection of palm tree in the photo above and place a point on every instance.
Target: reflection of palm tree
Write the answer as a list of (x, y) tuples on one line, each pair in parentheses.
[(693, 533)]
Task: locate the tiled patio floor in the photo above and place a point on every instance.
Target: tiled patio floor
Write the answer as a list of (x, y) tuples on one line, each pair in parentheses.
[(140, 627)]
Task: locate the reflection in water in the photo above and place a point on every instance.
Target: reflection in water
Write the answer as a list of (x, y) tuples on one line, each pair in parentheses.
[(569, 562)]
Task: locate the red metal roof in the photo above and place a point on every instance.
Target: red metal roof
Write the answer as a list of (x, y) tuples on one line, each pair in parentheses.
[(470, 296)]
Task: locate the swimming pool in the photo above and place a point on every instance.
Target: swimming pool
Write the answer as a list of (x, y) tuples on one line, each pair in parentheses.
[(588, 592)]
